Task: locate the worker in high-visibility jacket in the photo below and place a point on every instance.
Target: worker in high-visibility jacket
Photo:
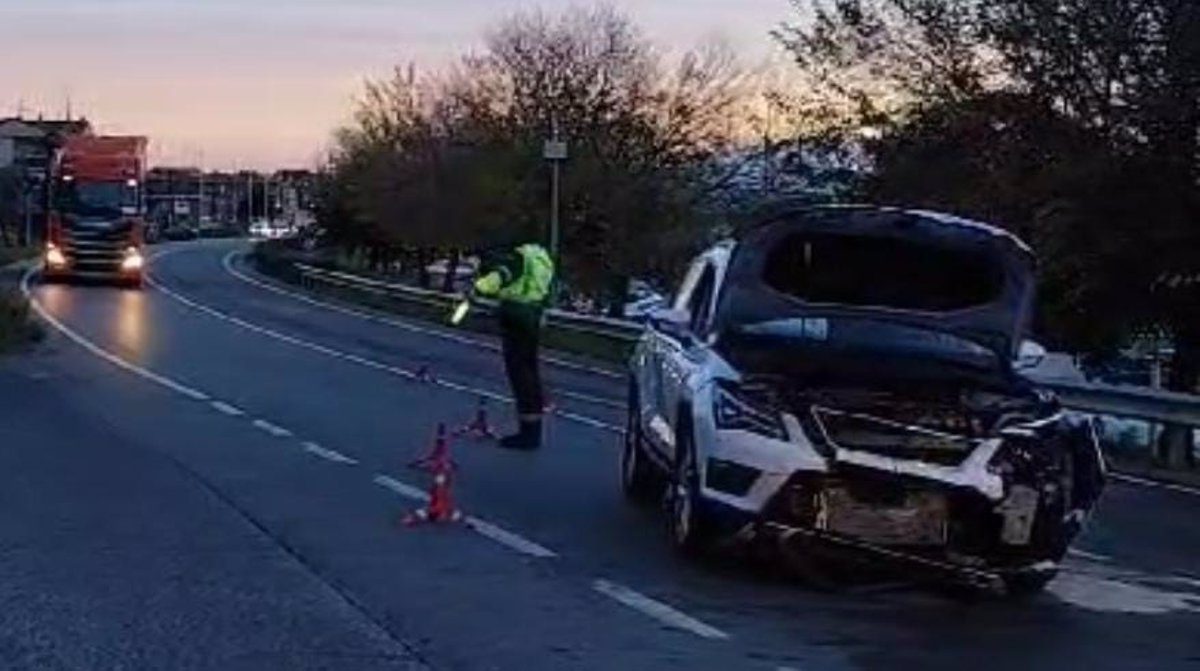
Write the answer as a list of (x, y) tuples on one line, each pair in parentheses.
[(521, 279)]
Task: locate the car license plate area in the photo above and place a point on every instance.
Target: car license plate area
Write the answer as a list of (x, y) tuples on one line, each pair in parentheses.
[(919, 519)]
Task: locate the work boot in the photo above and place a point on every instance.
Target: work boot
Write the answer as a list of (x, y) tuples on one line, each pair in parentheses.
[(528, 438)]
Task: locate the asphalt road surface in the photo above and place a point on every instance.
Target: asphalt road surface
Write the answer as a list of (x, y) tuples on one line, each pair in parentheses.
[(211, 473)]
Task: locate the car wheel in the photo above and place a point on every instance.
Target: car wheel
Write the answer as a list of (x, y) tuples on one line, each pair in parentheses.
[(691, 529), (640, 479)]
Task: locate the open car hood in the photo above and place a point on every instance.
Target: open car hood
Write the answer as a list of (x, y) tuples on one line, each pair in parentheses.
[(989, 257)]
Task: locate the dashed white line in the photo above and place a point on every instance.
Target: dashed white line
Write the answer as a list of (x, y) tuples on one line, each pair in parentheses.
[(365, 362), (405, 490), (1154, 484), (657, 610), (509, 539), (331, 455), (226, 409), (277, 431), (484, 528)]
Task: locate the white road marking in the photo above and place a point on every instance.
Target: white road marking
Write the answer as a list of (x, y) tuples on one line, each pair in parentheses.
[(365, 362), (1118, 592), (484, 528), (509, 539), (1091, 556), (1154, 484), (657, 610), (227, 262), (226, 409), (405, 490), (277, 431), (104, 354), (331, 455)]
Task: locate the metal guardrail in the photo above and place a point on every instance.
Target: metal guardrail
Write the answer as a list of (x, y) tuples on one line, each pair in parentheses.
[(1133, 403), (625, 332)]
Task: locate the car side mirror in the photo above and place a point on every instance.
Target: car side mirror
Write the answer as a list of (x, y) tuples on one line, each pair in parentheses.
[(1029, 355), (672, 322)]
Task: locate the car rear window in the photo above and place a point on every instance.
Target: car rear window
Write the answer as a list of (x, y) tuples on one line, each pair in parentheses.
[(882, 272)]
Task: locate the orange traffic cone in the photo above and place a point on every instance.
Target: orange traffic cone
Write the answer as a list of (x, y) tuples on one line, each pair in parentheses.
[(479, 426), (438, 463)]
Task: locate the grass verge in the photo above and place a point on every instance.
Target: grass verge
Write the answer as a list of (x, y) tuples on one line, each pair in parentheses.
[(16, 326)]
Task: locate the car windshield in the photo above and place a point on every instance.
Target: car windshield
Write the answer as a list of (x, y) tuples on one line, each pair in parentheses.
[(882, 272)]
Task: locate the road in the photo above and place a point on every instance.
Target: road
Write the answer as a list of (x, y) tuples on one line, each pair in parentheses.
[(211, 474)]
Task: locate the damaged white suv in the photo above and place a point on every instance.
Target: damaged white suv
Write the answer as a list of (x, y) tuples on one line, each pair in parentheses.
[(843, 382)]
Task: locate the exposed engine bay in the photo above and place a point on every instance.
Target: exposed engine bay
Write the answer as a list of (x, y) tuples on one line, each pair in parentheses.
[(978, 479)]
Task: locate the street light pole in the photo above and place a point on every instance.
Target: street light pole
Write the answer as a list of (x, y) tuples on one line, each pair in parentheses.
[(555, 151)]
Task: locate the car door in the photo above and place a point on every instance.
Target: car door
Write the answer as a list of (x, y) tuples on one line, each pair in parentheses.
[(681, 356)]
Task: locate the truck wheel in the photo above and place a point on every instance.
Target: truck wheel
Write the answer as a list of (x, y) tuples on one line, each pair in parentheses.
[(690, 527), (640, 479)]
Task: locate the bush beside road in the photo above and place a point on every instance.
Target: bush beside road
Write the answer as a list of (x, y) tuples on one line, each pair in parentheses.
[(16, 324)]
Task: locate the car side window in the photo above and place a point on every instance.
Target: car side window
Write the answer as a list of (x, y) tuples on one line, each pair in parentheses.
[(701, 300)]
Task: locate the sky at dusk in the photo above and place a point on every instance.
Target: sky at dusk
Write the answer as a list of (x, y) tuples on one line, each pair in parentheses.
[(262, 83)]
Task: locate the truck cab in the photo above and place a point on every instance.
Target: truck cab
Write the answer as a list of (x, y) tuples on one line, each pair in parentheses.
[(97, 210)]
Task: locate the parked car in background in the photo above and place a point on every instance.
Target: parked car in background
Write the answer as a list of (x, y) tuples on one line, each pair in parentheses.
[(642, 301), (842, 385)]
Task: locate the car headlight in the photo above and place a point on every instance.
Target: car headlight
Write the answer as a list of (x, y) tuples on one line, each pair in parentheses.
[(734, 412), (54, 256), (133, 260)]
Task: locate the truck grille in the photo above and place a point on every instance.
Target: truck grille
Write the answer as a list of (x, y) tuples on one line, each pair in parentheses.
[(95, 250)]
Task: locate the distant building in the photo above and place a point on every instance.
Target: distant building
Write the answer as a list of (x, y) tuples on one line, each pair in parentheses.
[(187, 196), (27, 148)]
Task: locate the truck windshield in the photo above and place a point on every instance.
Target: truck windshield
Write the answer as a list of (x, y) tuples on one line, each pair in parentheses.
[(97, 198)]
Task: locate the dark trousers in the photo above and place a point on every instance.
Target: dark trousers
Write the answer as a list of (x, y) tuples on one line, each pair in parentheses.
[(520, 330)]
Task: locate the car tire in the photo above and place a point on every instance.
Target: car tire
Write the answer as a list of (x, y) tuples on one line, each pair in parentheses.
[(641, 480), (691, 529)]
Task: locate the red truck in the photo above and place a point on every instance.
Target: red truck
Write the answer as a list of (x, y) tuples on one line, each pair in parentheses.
[(96, 218)]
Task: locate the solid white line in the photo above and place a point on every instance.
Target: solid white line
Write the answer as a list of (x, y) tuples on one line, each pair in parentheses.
[(277, 431), (1154, 484), (363, 361), (509, 539), (225, 408), (657, 610), (227, 262), (405, 490), (331, 455), (96, 350)]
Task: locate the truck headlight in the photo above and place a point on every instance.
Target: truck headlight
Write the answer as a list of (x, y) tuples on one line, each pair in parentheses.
[(734, 412), (54, 256), (133, 260)]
